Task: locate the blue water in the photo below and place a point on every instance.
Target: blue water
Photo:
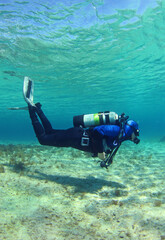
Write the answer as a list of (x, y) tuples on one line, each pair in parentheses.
[(84, 57)]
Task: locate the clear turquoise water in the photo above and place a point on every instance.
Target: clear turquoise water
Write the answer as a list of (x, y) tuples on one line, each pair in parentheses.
[(84, 57)]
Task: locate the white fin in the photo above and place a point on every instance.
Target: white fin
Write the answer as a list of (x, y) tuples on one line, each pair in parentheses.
[(28, 90)]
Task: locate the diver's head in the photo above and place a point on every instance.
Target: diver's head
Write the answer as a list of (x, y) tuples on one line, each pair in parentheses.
[(132, 131)]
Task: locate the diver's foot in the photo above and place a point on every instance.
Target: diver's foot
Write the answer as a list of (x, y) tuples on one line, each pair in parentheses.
[(31, 104), (35, 107), (32, 107), (38, 105)]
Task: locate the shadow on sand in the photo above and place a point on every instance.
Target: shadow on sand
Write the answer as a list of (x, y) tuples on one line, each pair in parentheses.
[(89, 184)]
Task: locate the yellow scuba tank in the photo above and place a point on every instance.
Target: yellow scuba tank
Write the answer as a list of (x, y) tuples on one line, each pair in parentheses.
[(92, 120)]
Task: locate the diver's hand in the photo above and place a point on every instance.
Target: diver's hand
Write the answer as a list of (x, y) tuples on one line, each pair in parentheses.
[(102, 156)]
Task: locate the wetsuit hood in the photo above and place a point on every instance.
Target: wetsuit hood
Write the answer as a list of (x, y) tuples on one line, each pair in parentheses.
[(131, 127)]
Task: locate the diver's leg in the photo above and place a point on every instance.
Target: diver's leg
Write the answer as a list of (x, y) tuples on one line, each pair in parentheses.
[(58, 138), (28, 96), (45, 122), (37, 126), (52, 137)]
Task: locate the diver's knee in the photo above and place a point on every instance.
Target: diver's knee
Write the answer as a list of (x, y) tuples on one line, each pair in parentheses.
[(42, 140)]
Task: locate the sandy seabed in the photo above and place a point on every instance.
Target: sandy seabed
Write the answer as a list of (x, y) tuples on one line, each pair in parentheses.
[(50, 193)]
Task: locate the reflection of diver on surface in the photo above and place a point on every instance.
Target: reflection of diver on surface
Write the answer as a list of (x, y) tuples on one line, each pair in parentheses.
[(100, 134)]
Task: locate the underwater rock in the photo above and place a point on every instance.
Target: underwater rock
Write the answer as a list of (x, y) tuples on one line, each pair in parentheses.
[(2, 169)]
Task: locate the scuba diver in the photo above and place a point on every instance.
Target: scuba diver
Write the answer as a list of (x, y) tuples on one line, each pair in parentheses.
[(101, 134)]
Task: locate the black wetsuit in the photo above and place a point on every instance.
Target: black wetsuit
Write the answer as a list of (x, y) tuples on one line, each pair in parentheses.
[(103, 138), (76, 137)]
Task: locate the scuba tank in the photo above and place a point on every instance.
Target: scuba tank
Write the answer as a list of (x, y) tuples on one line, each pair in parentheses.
[(92, 120)]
